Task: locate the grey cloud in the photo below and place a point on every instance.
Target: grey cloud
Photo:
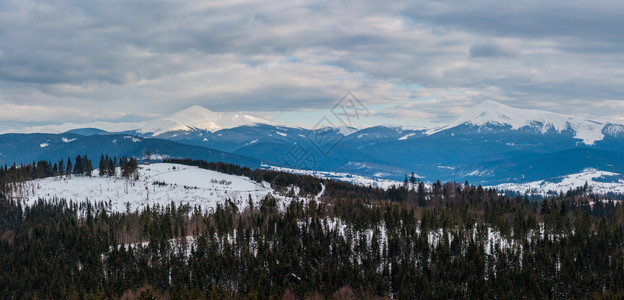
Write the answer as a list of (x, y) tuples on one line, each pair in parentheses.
[(488, 50), (158, 56)]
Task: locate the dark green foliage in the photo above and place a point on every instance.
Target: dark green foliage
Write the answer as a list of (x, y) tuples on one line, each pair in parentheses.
[(128, 166)]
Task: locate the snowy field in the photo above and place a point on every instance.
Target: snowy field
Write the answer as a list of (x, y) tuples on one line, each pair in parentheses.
[(600, 182), (160, 183)]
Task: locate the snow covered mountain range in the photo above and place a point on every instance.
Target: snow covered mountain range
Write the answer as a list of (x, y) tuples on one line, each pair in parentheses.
[(497, 114), (198, 118), (490, 144), (487, 113)]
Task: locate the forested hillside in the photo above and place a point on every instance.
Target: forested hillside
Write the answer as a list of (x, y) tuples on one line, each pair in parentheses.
[(449, 241)]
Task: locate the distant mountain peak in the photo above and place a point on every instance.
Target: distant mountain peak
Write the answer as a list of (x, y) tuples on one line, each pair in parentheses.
[(198, 118), (495, 113), (492, 112)]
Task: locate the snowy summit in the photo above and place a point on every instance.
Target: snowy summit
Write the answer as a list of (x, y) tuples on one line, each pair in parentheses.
[(494, 113), (198, 118)]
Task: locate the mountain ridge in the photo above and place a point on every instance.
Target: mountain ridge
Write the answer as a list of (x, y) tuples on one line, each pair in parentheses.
[(198, 118), (495, 113), (490, 144), (488, 112)]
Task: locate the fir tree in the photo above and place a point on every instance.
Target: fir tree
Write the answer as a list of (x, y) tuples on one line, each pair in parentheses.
[(69, 170), (79, 166), (102, 168)]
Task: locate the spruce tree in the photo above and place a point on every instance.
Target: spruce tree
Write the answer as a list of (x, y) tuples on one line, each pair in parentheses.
[(69, 169), (112, 166), (61, 168), (102, 169), (79, 166), (88, 166), (405, 183)]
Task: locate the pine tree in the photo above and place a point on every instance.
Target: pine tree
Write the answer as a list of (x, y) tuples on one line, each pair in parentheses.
[(79, 166), (69, 169), (413, 180), (102, 169), (421, 194), (61, 168), (405, 183), (112, 166), (88, 166)]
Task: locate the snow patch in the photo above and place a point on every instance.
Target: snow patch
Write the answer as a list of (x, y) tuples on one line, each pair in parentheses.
[(252, 142), (446, 167), (344, 130), (614, 129), (43, 145), (479, 173), (66, 140), (406, 136), (133, 138)]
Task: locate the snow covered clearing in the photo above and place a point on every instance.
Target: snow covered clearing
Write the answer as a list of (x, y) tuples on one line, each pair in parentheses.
[(600, 182), (160, 183)]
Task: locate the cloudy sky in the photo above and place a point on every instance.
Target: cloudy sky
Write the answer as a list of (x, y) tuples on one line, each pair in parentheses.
[(418, 62)]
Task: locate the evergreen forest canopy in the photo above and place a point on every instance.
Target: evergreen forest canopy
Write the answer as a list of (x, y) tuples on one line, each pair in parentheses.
[(412, 241)]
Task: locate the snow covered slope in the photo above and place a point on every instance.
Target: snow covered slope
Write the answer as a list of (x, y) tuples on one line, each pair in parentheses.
[(600, 182), (160, 183), (494, 113), (198, 118)]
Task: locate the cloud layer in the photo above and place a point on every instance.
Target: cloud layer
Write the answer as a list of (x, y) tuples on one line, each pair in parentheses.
[(414, 62)]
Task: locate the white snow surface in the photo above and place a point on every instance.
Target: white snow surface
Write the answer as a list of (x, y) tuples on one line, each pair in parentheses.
[(346, 130), (198, 117), (615, 129), (399, 127), (406, 136), (568, 182), (184, 185), (134, 139), (492, 112)]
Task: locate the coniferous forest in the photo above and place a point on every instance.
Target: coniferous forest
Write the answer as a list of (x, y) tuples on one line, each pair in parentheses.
[(447, 240)]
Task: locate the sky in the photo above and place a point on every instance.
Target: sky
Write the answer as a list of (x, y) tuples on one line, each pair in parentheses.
[(417, 63)]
